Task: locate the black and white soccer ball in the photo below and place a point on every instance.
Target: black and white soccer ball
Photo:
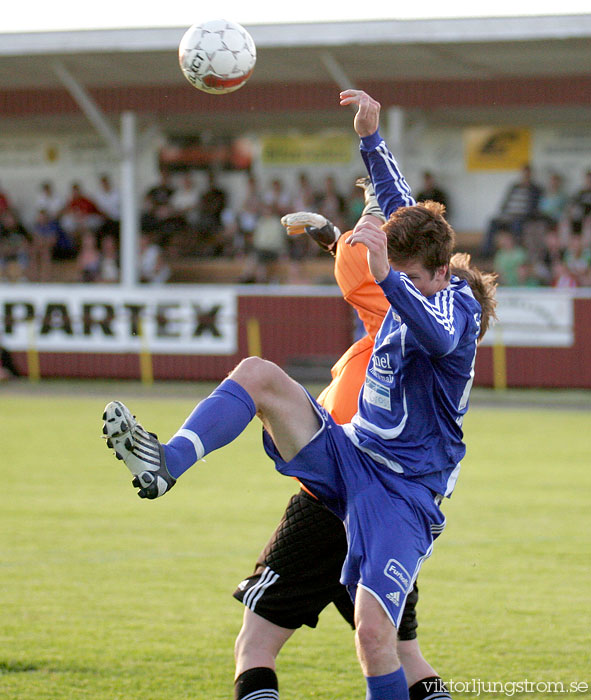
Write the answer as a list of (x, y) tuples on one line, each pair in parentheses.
[(217, 56)]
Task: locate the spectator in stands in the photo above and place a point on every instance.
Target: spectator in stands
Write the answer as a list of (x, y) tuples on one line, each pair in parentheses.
[(80, 212), (109, 260), (431, 191), (88, 262), (580, 209), (563, 278), (354, 205), (303, 198), (46, 231), (49, 201), (15, 248), (277, 196), (520, 206), (211, 205), (268, 248), (553, 201), (247, 216), (551, 212), (108, 201), (159, 195), (230, 237), (331, 203), (184, 202), (550, 258), (157, 213), (509, 258), (527, 274), (577, 259), (152, 268), (67, 244)]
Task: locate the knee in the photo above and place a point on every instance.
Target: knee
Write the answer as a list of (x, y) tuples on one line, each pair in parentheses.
[(258, 643), (376, 639), (255, 375)]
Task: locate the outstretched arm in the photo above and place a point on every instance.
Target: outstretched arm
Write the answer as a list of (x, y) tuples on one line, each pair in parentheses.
[(392, 190)]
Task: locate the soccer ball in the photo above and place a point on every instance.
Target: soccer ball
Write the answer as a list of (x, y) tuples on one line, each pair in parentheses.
[(217, 56)]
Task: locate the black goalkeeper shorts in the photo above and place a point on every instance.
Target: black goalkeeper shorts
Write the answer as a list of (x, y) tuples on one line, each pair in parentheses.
[(297, 573)]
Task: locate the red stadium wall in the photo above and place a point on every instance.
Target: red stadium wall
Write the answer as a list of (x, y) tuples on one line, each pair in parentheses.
[(568, 367), (290, 328), (321, 328)]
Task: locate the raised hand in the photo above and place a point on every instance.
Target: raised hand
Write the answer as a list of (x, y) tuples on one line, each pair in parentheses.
[(367, 117)]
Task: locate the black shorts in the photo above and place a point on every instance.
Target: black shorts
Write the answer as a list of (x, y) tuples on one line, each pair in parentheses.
[(297, 573)]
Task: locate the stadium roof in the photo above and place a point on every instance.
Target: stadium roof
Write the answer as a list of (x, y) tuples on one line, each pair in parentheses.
[(296, 63), (373, 50)]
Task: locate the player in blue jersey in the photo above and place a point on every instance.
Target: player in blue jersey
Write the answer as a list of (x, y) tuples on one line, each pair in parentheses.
[(385, 473)]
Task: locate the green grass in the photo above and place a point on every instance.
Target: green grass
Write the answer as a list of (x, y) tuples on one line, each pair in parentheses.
[(104, 596)]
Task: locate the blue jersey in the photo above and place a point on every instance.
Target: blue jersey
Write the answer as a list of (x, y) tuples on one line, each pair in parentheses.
[(418, 381), (392, 190)]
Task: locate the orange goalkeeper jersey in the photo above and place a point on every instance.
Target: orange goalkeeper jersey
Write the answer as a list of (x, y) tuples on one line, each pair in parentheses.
[(361, 291)]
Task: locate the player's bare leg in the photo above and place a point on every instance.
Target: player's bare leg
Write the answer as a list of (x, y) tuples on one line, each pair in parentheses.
[(376, 643), (281, 403), (375, 636), (415, 665), (258, 643), (254, 387)]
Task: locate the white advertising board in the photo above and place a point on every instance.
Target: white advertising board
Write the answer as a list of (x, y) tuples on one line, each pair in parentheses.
[(533, 318), (193, 320)]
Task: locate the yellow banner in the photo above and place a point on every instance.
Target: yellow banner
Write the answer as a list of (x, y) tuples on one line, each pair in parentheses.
[(496, 148), (299, 150)]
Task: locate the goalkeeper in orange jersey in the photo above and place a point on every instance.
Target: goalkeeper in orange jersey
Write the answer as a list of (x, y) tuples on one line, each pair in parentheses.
[(297, 574)]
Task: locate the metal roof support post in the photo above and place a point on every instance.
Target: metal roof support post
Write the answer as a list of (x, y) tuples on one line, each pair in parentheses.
[(87, 105), (129, 209), (394, 133), (336, 71), (125, 149)]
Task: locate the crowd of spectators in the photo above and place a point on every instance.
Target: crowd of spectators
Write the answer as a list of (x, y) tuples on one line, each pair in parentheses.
[(63, 228), (540, 235), (186, 220)]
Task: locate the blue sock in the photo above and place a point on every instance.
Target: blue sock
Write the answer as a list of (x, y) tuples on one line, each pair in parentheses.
[(214, 422), (392, 686)]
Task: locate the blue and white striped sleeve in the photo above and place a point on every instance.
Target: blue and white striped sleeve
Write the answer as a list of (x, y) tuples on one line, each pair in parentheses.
[(436, 322), (392, 190)]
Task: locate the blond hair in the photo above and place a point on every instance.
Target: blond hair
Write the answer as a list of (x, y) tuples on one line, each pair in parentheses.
[(482, 284)]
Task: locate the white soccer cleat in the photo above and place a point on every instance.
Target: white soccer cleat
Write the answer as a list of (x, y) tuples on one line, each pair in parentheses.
[(318, 227), (140, 450)]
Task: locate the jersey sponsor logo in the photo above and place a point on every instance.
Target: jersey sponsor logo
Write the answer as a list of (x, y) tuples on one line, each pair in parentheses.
[(381, 364), (376, 394), (394, 597), (398, 573)]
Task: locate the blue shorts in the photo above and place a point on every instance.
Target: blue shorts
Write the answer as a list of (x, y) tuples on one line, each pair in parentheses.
[(391, 521)]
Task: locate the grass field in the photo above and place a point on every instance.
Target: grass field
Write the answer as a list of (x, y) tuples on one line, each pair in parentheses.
[(107, 597)]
